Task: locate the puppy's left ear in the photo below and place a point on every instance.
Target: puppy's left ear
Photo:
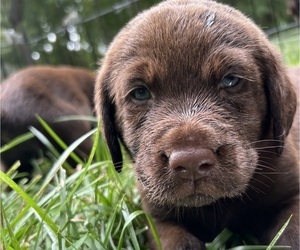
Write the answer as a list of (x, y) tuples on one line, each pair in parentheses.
[(105, 110), (282, 99)]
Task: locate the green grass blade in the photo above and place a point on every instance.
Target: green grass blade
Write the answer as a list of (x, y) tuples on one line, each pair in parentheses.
[(16, 141), (110, 226), (88, 163), (64, 156), (57, 139), (220, 240), (78, 244), (76, 118), (129, 217), (273, 242), (8, 230), (13, 168), (94, 147), (154, 232), (44, 140)]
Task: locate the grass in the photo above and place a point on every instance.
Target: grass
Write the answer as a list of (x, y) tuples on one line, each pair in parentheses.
[(92, 207)]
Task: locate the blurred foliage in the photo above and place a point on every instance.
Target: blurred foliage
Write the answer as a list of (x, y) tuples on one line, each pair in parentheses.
[(61, 31), (266, 13), (289, 43), (77, 32)]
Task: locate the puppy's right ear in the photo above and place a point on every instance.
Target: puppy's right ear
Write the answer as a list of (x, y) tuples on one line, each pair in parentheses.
[(281, 97), (105, 109)]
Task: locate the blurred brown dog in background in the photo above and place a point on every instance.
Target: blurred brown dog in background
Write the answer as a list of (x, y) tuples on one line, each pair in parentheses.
[(202, 103), (50, 92)]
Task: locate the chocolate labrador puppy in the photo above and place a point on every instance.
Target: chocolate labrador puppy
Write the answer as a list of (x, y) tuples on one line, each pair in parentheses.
[(51, 92), (202, 103)]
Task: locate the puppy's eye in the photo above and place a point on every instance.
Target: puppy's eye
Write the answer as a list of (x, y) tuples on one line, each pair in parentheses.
[(230, 81), (141, 94)]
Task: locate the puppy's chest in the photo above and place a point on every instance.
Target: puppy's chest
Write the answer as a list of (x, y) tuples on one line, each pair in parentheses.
[(205, 222), (209, 221)]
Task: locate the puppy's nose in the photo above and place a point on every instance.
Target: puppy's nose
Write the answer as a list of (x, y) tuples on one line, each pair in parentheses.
[(192, 164)]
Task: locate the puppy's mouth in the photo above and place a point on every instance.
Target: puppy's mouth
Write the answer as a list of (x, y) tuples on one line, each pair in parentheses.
[(188, 193), (195, 200), (198, 192)]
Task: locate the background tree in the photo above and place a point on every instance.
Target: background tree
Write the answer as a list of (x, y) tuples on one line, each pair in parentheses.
[(77, 32)]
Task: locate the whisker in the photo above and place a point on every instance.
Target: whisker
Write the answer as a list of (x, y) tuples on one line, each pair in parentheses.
[(267, 147), (263, 165), (265, 140), (256, 189), (261, 182)]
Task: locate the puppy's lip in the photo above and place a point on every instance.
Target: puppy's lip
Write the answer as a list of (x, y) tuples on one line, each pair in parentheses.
[(195, 199), (201, 189), (196, 189)]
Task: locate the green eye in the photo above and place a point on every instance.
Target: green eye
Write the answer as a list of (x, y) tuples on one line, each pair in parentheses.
[(230, 81), (141, 94)]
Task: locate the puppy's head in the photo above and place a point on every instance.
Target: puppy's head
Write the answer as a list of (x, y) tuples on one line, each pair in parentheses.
[(190, 88)]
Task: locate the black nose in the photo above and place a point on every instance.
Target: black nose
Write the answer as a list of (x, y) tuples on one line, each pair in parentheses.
[(192, 163)]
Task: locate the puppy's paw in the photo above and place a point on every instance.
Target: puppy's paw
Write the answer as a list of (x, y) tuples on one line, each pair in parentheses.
[(174, 237), (190, 243)]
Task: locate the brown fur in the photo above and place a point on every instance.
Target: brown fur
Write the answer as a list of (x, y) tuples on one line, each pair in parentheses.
[(51, 92), (205, 156)]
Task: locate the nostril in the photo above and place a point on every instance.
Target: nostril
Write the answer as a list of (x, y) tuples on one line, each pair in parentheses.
[(180, 169), (164, 157), (205, 166)]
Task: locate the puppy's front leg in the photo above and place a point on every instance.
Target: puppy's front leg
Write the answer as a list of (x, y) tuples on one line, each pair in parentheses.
[(174, 237), (290, 236)]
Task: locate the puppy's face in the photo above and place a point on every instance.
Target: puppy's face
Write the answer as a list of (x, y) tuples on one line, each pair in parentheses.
[(186, 87)]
